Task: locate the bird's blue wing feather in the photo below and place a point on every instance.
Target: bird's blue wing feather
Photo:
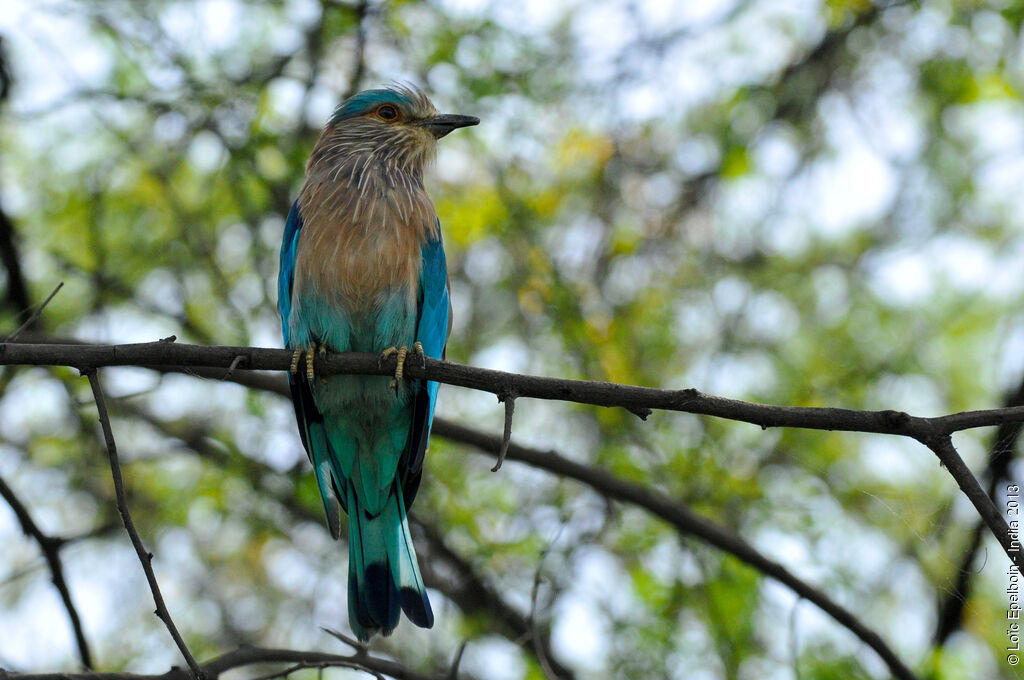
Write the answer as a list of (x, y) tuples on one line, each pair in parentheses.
[(432, 324), (432, 332), (311, 421), (286, 274)]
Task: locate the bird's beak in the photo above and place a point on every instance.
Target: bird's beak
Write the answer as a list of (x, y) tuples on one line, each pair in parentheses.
[(441, 125)]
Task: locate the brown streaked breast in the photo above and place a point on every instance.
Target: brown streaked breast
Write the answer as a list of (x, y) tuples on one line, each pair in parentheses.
[(361, 239)]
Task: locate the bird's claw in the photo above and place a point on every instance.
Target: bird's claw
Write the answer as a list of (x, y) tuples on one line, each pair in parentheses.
[(322, 351), (385, 354), (308, 353), (401, 353)]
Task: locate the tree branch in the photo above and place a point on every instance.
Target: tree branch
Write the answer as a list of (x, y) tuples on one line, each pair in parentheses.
[(16, 295), (951, 607), (928, 431), (247, 656), (145, 557), (51, 552), (684, 520), (943, 447), (167, 355)]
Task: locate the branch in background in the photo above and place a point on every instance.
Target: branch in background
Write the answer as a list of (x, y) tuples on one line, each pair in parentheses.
[(362, 12), (5, 72), (249, 656), (145, 557), (50, 546), (684, 520), (951, 608), (932, 432), (16, 296)]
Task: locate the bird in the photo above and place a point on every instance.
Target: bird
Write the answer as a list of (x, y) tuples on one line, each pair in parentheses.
[(363, 269)]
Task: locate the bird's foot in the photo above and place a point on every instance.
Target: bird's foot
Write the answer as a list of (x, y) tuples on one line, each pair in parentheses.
[(309, 354), (400, 368), (401, 352)]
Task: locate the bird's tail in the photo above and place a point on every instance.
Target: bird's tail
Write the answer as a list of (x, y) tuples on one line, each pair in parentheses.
[(383, 575)]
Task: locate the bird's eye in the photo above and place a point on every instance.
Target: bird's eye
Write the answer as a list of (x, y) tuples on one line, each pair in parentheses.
[(387, 112)]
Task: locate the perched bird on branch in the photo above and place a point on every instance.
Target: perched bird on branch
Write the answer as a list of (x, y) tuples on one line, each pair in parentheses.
[(363, 270)]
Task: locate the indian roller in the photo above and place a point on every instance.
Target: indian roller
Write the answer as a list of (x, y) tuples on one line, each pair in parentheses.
[(363, 270)]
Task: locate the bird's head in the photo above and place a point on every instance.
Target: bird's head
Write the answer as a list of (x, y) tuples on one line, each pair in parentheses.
[(396, 125)]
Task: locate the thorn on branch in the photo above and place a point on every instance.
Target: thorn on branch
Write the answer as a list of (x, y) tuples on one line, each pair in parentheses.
[(169, 338), (234, 364), (510, 406), (641, 412)]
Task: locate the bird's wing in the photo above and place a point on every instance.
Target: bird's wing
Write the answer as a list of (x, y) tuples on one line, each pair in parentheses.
[(286, 274), (311, 421), (432, 328)]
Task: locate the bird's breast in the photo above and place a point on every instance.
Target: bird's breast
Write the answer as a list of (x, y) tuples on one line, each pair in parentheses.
[(360, 245)]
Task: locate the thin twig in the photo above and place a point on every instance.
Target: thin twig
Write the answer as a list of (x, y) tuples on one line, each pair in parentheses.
[(285, 672), (794, 643), (453, 674), (535, 637), (359, 647), (51, 552), (510, 407), (320, 666), (35, 315), (145, 557)]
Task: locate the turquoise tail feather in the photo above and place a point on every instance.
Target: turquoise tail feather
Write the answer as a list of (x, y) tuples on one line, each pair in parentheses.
[(413, 592), (383, 576), (322, 468)]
